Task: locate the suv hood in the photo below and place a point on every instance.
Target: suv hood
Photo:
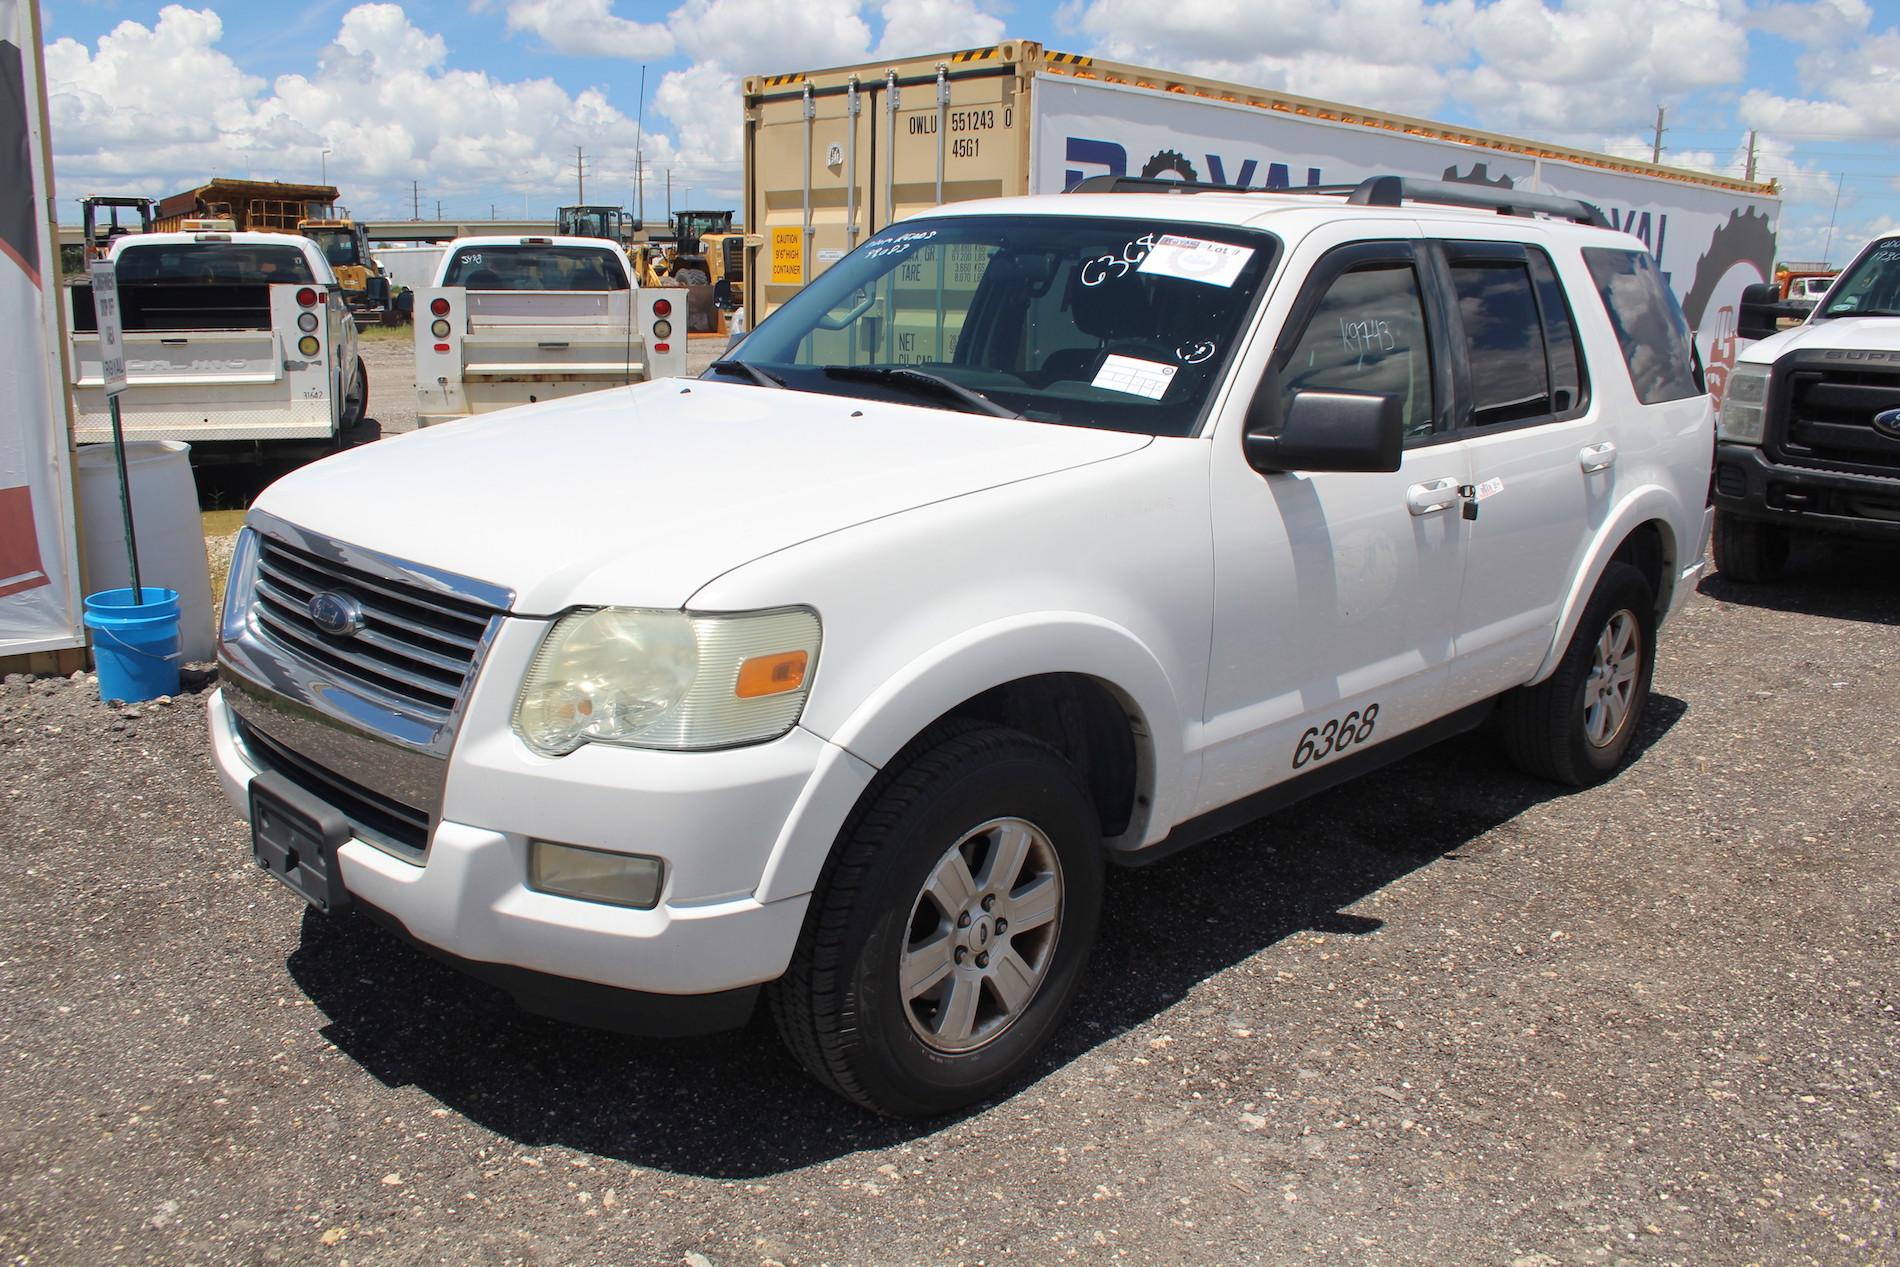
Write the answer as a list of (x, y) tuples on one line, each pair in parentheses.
[(1848, 334), (639, 496)]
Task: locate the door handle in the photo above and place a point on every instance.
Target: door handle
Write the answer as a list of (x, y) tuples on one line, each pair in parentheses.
[(1432, 496), (1597, 457)]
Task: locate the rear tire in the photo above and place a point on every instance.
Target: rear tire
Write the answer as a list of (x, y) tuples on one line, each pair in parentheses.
[(1748, 551), (692, 277), (908, 991), (355, 399), (1576, 726)]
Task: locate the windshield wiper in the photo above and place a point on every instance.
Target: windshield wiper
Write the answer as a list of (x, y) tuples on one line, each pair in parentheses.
[(762, 377), (922, 378)]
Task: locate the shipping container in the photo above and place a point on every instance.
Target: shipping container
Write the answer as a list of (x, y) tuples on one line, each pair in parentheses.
[(832, 156)]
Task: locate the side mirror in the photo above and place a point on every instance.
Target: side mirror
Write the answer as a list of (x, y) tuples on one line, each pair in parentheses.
[(722, 295), (1761, 306), (1330, 431)]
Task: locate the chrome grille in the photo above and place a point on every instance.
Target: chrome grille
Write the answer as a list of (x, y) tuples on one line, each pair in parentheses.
[(416, 645)]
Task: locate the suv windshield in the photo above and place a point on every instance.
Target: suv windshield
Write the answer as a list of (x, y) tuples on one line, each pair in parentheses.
[(1092, 322), (212, 264), (1871, 285), (535, 268)]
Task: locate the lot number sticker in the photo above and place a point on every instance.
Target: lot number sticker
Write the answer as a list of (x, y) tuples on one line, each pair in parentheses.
[(1134, 376), (1196, 260)]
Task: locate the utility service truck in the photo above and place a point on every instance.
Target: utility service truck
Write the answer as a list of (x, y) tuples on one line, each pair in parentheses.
[(833, 156), (233, 341), (515, 320)]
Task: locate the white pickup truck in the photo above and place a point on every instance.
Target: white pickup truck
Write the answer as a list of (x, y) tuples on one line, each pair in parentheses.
[(1033, 535), (233, 341), (513, 320)]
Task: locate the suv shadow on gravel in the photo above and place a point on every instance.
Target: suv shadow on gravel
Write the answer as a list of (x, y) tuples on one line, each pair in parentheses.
[(732, 1106), (1837, 579)]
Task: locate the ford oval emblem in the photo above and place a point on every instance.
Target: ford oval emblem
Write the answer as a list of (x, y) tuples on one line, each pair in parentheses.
[(1887, 423), (336, 614)]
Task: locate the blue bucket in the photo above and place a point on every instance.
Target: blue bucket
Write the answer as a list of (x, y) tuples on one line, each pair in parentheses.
[(135, 646)]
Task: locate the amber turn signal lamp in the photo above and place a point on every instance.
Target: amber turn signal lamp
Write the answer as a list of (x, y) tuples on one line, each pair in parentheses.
[(772, 674)]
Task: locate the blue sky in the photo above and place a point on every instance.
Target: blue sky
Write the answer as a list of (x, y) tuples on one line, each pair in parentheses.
[(483, 103)]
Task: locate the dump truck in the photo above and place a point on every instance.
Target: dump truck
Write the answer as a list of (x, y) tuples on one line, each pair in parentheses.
[(832, 156), (518, 320)]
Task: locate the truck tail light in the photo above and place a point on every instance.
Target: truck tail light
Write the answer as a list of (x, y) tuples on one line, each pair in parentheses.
[(662, 329), (307, 298), (662, 347), (440, 307), (308, 345), (439, 328), (663, 307)]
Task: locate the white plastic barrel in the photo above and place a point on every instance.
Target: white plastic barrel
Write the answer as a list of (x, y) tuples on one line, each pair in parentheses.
[(165, 515)]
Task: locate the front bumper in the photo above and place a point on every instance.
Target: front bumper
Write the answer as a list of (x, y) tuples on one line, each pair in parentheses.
[(1750, 485), (719, 819)]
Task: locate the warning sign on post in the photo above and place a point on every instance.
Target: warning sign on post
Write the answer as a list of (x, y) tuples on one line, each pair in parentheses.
[(788, 256), (105, 303)]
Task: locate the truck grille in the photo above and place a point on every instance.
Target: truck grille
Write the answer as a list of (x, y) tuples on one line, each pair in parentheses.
[(1830, 412), (415, 645)]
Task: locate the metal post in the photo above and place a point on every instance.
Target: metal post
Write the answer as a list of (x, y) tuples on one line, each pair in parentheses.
[(125, 499), (943, 124), (852, 105), (811, 124), (890, 149)]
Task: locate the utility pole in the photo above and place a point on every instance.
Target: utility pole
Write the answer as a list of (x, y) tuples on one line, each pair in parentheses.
[(1655, 150), (1839, 180), (438, 208), (415, 200), (639, 163), (580, 175), (1750, 174)]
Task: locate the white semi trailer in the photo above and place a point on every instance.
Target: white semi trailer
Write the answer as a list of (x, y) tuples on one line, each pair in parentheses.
[(834, 155)]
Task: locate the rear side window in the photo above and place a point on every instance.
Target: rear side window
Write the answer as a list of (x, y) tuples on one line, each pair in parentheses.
[(1649, 326), (1520, 342), (534, 268), (213, 264)]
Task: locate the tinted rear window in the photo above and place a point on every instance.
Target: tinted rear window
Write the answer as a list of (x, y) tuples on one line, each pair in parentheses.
[(534, 268), (1649, 325), (213, 264)]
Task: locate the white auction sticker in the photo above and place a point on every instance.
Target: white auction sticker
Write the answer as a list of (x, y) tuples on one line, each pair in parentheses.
[(1196, 260), (1135, 377)]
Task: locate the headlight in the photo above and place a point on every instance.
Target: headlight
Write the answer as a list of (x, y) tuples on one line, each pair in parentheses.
[(1744, 405), (667, 679)]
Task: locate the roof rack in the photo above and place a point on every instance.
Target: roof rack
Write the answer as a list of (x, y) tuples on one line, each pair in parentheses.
[(1376, 191)]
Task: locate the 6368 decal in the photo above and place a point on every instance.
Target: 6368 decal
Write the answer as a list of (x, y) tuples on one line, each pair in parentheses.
[(1335, 736)]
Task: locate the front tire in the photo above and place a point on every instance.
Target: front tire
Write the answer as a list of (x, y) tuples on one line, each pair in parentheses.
[(947, 938), (1576, 726), (1748, 551)]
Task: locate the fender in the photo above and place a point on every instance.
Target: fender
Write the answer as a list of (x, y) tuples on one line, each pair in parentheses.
[(1646, 504), (953, 671)]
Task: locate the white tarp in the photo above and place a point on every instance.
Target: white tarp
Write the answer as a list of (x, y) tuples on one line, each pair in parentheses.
[(1708, 241), (39, 570)]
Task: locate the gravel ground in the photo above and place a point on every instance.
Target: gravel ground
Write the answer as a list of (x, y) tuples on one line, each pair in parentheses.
[(1447, 1015)]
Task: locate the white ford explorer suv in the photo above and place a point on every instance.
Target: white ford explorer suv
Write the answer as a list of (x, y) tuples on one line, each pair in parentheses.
[(1034, 535)]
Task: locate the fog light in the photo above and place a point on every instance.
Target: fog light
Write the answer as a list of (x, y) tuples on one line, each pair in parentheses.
[(307, 322), (662, 329), (308, 345), (594, 875), (439, 328)]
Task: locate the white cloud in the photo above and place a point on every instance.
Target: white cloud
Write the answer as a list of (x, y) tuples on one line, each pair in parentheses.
[(1821, 22), (758, 37), (688, 98), (589, 28), (1866, 73), (935, 26), (155, 110)]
